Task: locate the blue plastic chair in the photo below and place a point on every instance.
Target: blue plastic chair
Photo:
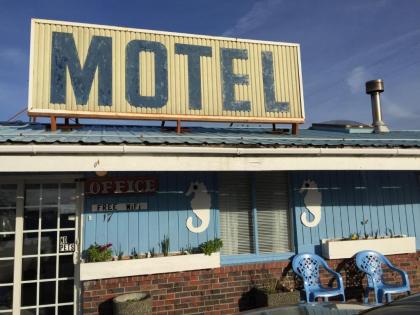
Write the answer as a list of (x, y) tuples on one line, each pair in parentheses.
[(371, 262), (307, 267)]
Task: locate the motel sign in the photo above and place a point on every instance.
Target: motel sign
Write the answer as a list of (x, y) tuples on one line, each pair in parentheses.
[(80, 70)]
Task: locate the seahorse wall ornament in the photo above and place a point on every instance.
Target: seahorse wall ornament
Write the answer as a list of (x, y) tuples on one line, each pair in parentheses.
[(312, 201), (200, 204)]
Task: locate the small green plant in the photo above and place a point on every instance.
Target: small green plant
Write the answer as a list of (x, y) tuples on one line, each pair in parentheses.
[(187, 250), (134, 254), (364, 223), (119, 253), (164, 244), (211, 246), (97, 253), (354, 236), (152, 252)]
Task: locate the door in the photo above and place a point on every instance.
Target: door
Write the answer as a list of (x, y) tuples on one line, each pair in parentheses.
[(44, 239), (8, 194)]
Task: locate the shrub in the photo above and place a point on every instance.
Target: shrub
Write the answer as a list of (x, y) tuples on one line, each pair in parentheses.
[(211, 246), (97, 253)]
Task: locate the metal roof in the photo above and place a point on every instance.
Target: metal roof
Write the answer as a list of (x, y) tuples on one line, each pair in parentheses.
[(36, 133)]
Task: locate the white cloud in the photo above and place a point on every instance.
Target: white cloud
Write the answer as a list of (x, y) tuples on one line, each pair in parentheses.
[(357, 78), (254, 18), (13, 55)]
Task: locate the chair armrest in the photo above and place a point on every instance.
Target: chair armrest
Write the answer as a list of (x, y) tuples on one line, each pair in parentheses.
[(336, 275), (402, 273)]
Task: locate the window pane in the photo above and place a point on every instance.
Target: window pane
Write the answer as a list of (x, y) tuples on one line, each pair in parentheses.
[(68, 194), (6, 271), (66, 241), (6, 298), (47, 292), (31, 311), (30, 243), (66, 266), (7, 220), (65, 291), (48, 242), (50, 194), (47, 267), (7, 246), (49, 218), (65, 310), (28, 294), (67, 216), (32, 195), (236, 228), (272, 204), (30, 219), (29, 268), (47, 311), (8, 196)]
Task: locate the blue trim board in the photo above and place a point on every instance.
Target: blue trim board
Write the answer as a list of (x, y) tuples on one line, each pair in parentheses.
[(254, 258)]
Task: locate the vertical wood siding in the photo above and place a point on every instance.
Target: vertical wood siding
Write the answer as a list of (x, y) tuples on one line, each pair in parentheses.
[(167, 213), (389, 201)]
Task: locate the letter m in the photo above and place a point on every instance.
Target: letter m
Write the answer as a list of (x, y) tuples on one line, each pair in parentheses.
[(64, 56)]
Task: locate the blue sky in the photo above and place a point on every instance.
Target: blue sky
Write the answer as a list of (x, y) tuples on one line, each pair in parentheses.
[(343, 44)]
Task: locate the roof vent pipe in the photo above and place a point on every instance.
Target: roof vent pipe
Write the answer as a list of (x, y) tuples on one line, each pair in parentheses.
[(374, 88)]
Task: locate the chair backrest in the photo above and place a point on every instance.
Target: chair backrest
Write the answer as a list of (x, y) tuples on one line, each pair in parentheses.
[(371, 262), (307, 267)]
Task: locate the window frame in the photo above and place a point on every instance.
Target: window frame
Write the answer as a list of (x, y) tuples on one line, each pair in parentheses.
[(257, 256)]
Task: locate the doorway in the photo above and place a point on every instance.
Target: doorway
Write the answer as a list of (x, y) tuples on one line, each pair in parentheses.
[(38, 241)]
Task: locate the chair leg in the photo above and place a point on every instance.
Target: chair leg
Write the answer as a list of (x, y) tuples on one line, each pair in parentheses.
[(344, 297), (366, 296), (388, 298), (379, 296)]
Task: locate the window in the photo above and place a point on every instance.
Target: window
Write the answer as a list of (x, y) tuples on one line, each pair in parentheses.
[(254, 216)]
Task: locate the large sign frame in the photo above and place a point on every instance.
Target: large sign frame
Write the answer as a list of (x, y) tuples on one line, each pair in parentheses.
[(94, 71)]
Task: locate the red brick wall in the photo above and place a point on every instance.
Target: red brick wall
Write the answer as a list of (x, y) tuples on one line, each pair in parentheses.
[(224, 290)]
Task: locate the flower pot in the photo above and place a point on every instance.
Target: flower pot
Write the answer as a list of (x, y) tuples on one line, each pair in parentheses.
[(279, 298), (132, 304), (155, 265), (335, 249)]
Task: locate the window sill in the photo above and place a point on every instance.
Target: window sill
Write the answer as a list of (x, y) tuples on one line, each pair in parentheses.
[(254, 258)]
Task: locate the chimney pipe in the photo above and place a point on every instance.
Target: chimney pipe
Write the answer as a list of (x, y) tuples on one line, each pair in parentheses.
[(374, 88)]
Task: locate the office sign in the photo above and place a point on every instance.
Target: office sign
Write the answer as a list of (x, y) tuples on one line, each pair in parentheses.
[(81, 70), (96, 186)]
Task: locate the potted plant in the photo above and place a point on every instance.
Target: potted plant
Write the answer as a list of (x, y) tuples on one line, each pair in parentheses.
[(99, 253), (390, 244), (207, 256), (211, 246), (276, 293)]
